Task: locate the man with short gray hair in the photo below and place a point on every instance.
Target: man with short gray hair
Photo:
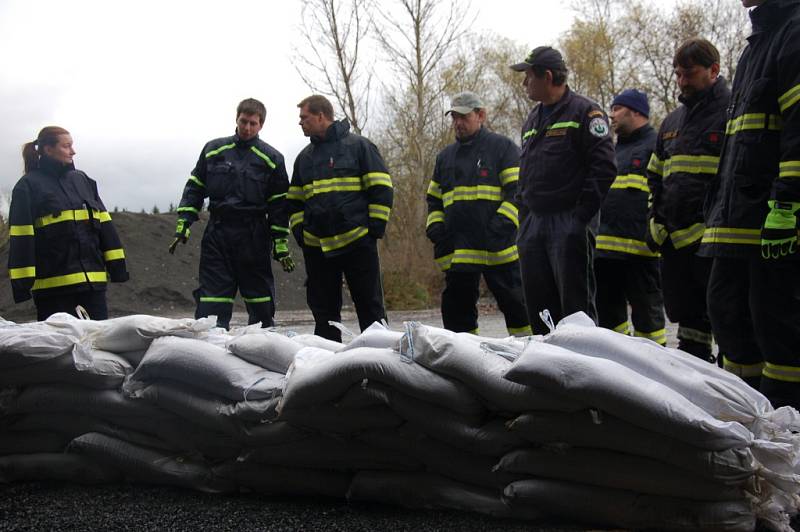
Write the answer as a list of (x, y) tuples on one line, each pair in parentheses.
[(473, 219)]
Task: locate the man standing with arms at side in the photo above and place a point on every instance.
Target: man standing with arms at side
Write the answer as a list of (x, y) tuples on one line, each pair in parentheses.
[(566, 168), (245, 180), (683, 164), (473, 219), (752, 211), (340, 199), (627, 271)]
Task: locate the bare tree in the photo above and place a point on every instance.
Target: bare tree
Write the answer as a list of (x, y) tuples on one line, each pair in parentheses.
[(330, 61)]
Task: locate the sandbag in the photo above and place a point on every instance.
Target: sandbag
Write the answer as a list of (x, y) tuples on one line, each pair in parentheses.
[(31, 442), (269, 350), (377, 336), (461, 357), (628, 395), (318, 376), (204, 366), (99, 370), (54, 466), (258, 411), (137, 331), (150, 466), (277, 480), (612, 469), (604, 431), (330, 418), (610, 508), (312, 340), (22, 346), (431, 491)]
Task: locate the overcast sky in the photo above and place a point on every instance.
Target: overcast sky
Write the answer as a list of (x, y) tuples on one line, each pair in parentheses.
[(143, 85)]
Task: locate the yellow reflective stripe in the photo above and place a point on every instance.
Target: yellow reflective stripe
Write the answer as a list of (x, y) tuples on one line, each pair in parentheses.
[(295, 193), (529, 133), (434, 217), (22, 273), (21, 230), (624, 245), (103, 216), (731, 235), (691, 164), (195, 180), (631, 181), (434, 190), (509, 175), (113, 254), (444, 262), (702, 337), (296, 218), (336, 184), (742, 370), (310, 240), (480, 192), (188, 209), (623, 328), (378, 211), (70, 279), (789, 98), (220, 149), (656, 165), (781, 373), (510, 211), (753, 121), (211, 299), (64, 216), (520, 331), (659, 336), (264, 156), (374, 179), (330, 243), (562, 125), (684, 237), (264, 299), (789, 169)]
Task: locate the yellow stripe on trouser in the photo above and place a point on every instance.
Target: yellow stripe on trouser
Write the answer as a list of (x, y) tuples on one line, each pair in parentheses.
[(623, 328), (742, 370), (781, 373), (693, 335), (659, 336), (70, 279), (520, 331)]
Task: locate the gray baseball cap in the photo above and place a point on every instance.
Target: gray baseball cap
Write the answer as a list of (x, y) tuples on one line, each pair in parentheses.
[(464, 102)]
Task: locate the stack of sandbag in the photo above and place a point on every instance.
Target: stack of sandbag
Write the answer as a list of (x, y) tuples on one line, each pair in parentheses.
[(665, 441)]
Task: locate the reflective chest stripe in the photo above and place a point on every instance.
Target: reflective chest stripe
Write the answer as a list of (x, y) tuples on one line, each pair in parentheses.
[(70, 279), (690, 164), (334, 184), (479, 192), (80, 215)]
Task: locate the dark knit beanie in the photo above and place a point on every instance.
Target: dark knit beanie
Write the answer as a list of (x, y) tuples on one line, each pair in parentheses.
[(633, 99)]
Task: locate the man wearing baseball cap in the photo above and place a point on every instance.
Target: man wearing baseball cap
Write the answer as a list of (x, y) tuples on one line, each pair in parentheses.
[(473, 219), (566, 167), (627, 271)]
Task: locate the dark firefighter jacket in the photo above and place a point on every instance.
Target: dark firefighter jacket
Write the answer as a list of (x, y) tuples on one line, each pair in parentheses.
[(623, 217), (567, 160), (240, 179), (761, 155), (685, 162), (61, 236), (341, 191), (472, 215)]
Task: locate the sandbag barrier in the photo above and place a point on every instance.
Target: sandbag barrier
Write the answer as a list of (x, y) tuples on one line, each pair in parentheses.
[(581, 425)]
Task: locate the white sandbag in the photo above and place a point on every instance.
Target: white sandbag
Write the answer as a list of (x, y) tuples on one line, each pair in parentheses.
[(25, 345), (324, 452), (604, 431), (612, 508), (96, 369), (329, 418), (376, 335), (612, 469), (718, 392), (462, 357), (319, 376), (259, 411), (270, 350), (439, 457), (49, 398), (628, 395), (32, 442), (312, 340), (277, 480), (204, 366), (130, 333), (54, 466), (150, 466), (431, 491)]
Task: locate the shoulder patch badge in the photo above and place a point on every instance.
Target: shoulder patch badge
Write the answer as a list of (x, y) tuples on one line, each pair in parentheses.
[(598, 127)]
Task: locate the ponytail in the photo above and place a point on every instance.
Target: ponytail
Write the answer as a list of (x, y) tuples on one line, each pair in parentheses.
[(31, 151)]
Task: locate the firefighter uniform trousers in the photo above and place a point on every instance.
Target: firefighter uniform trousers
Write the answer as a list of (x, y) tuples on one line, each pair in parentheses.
[(555, 250), (636, 281), (235, 254), (361, 268), (93, 302)]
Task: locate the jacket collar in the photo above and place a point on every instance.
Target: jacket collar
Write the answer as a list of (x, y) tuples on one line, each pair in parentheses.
[(713, 92), (636, 135), (244, 143), (557, 107), (336, 131), (771, 14), (53, 167), (478, 134)]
